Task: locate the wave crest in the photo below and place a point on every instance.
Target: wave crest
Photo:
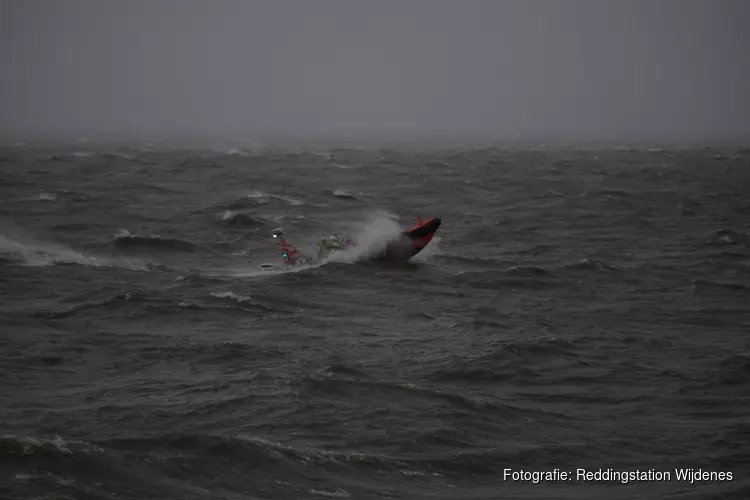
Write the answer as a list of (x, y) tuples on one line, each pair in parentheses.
[(124, 238)]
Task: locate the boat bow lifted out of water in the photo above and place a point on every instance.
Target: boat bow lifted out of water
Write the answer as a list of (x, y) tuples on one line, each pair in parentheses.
[(411, 242)]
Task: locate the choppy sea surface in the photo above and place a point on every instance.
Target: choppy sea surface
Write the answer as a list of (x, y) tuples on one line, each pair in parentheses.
[(579, 309)]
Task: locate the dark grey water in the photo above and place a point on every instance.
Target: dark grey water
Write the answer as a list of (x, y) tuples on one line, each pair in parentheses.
[(579, 310)]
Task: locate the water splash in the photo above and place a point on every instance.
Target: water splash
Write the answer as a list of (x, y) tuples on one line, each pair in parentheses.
[(371, 240)]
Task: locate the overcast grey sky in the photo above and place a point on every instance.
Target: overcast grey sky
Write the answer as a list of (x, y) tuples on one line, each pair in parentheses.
[(583, 68)]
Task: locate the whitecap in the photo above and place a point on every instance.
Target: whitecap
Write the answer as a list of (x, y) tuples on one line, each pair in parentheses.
[(339, 493), (231, 296)]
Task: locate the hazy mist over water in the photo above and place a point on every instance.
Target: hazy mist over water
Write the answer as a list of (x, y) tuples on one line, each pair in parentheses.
[(574, 69), (582, 307)]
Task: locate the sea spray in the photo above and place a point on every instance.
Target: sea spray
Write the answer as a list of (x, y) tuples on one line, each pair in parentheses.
[(371, 240)]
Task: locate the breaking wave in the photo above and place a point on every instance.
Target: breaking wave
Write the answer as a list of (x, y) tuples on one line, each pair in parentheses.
[(42, 254), (347, 195), (231, 296)]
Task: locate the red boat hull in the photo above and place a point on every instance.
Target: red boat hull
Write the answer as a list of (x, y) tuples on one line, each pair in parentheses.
[(411, 242)]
